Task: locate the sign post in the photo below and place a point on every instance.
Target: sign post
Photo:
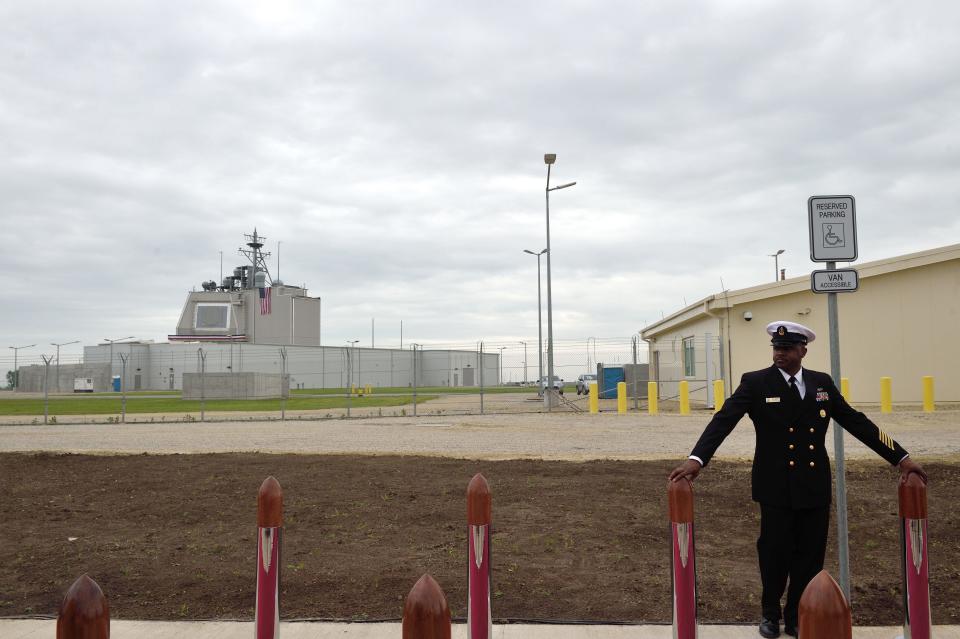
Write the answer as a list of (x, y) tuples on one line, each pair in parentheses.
[(833, 238)]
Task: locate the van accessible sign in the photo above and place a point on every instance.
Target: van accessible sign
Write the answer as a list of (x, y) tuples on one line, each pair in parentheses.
[(833, 228), (840, 280)]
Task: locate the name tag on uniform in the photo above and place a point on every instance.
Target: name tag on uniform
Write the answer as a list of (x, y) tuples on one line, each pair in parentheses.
[(773, 400)]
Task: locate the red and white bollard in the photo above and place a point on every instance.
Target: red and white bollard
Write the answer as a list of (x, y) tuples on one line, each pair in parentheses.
[(84, 612), (479, 516), (824, 612), (683, 571), (269, 529), (425, 612), (913, 560)]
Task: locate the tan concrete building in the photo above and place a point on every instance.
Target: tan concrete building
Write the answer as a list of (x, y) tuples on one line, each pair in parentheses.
[(902, 323)]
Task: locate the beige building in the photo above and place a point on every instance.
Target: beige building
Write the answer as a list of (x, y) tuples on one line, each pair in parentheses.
[(903, 322)]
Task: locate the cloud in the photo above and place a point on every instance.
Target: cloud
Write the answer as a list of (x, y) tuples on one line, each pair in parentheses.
[(395, 151)]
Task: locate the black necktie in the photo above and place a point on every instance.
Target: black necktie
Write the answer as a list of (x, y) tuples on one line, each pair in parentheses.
[(795, 388)]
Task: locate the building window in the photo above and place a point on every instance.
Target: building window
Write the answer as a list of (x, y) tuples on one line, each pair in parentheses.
[(212, 317), (689, 358)]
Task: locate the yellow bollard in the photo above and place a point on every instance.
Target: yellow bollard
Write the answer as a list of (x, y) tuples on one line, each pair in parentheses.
[(886, 395), (369, 389), (684, 397), (845, 388), (594, 399), (717, 395), (652, 407), (353, 389), (928, 405), (622, 398)]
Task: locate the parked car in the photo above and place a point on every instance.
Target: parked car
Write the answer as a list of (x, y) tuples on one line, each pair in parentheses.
[(557, 384), (583, 384)]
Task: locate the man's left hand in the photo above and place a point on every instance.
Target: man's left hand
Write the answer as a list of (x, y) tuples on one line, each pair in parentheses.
[(908, 466)]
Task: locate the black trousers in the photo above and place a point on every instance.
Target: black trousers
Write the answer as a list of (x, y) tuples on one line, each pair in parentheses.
[(791, 545)]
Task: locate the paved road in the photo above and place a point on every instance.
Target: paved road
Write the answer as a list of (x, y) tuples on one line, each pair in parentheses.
[(543, 436)]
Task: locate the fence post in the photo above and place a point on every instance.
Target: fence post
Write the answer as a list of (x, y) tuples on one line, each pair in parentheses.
[(269, 533), (886, 395), (621, 398), (684, 392), (425, 612), (479, 585), (84, 612), (683, 559), (845, 388), (283, 375), (824, 613), (928, 405), (202, 357), (717, 395), (653, 407), (46, 383), (913, 545), (123, 387)]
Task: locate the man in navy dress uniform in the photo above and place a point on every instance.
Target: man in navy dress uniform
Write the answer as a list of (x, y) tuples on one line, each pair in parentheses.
[(790, 407)]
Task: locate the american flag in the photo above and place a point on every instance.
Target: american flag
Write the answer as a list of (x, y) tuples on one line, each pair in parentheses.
[(265, 301)]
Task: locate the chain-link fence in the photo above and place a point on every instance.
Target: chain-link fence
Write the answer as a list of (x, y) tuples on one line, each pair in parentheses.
[(192, 381)]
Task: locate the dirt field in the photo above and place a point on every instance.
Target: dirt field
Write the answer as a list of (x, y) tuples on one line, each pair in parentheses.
[(172, 537)]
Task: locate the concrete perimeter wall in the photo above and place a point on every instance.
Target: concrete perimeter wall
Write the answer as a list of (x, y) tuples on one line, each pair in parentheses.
[(235, 385)]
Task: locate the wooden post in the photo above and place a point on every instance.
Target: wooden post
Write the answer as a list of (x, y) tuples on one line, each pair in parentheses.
[(479, 517), (913, 560), (269, 532), (84, 612), (683, 559), (824, 613), (425, 612)]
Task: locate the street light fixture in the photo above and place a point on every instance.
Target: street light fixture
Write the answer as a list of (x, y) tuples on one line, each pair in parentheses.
[(549, 395), (16, 371), (76, 341), (539, 319), (776, 264)]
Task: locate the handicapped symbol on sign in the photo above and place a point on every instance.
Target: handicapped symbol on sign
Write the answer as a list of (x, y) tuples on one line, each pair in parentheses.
[(833, 235)]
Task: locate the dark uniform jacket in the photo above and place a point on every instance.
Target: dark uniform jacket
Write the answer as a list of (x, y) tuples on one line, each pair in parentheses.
[(790, 464)]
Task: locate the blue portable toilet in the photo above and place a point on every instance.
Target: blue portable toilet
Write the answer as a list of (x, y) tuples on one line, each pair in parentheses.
[(609, 378), (116, 383)]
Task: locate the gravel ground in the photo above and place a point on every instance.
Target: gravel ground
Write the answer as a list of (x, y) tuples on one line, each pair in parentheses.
[(556, 436)]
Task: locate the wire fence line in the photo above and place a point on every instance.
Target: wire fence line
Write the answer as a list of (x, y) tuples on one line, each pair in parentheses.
[(321, 382)]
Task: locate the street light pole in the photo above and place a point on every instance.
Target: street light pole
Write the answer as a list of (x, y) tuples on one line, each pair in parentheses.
[(501, 364), (119, 339), (548, 396), (76, 341), (539, 319), (16, 370), (353, 346), (776, 264), (524, 362)]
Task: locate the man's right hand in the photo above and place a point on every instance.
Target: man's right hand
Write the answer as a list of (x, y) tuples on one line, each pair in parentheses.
[(689, 469)]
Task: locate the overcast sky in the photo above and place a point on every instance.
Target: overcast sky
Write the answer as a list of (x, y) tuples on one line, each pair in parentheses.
[(395, 149)]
